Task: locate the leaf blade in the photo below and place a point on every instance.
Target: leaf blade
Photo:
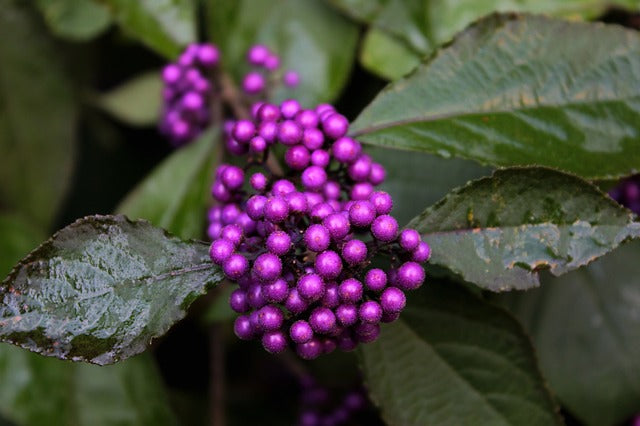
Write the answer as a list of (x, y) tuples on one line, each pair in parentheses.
[(137, 101), (504, 92), (101, 289)]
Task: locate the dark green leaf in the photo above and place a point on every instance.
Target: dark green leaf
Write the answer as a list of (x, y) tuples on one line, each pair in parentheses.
[(174, 196), (163, 25), (75, 20), (454, 359), (497, 232), (17, 239), (136, 102), (586, 327), (520, 90), (39, 391), (309, 37), (416, 179), (102, 289), (37, 117), (386, 56)]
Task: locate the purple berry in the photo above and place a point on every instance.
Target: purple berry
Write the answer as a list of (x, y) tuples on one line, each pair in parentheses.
[(331, 190), (253, 83), (267, 267), (375, 280), (301, 332), (297, 157), (347, 315), (350, 290), (320, 158), (220, 250), (242, 328), (382, 202), (310, 287), (289, 133), (321, 211), (393, 300), (335, 125), (317, 238), (171, 74), (362, 213), (313, 178), (255, 297), (310, 350), (322, 320), (233, 177), (283, 187), (243, 131), (409, 239), (331, 298), (367, 332), (370, 312), (384, 228), (235, 266), (377, 174), (294, 303), (208, 55), (312, 138), (276, 209), (268, 112), (255, 206), (238, 301), (410, 276), (389, 316), (328, 265), (274, 341), (354, 252), (270, 318), (268, 131), (360, 169), (279, 243), (337, 225), (232, 233), (346, 150), (421, 253), (297, 202), (257, 54), (258, 182), (290, 108), (307, 118), (291, 79), (361, 191), (257, 144)]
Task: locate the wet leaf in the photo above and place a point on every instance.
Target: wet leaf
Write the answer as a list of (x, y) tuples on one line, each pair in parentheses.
[(499, 231), (101, 289)]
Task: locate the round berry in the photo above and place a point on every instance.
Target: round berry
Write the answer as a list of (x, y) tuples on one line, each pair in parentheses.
[(257, 54), (276, 291), (331, 190), (238, 301), (410, 276), (255, 297), (321, 211), (253, 83), (255, 206), (360, 169), (233, 177), (235, 266), (389, 316), (290, 108), (331, 298), (258, 182), (367, 332), (361, 191), (377, 174), (310, 287), (317, 238), (232, 233), (301, 332), (375, 280), (220, 192), (409, 239), (276, 209), (242, 328), (382, 202), (328, 265), (289, 133), (362, 213), (393, 300), (346, 150), (243, 131), (297, 157), (354, 252), (335, 125), (370, 312), (274, 341), (384, 228), (171, 74), (347, 315), (268, 112), (291, 79), (322, 320), (279, 243), (307, 118), (229, 215), (270, 318), (294, 303), (268, 131), (257, 144), (350, 290), (220, 250), (346, 343), (337, 225), (421, 253), (267, 267), (313, 178), (320, 158), (297, 202), (309, 350)]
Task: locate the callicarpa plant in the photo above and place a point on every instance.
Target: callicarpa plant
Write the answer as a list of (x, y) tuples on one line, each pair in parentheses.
[(319, 212)]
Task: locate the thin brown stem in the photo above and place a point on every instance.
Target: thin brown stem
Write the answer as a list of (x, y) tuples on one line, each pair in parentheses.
[(233, 97)]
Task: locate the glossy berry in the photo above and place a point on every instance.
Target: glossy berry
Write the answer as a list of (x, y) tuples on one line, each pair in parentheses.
[(375, 280), (322, 320), (347, 315), (301, 331), (235, 266), (274, 341), (317, 238), (328, 265), (276, 209), (350, 290), (270, 318), (242, 328), (410, 276), (409, 239), (220, 250), (354, 252), (279, 243), (310, 287), (362, 213), (384, 228), (267, 267), (238, 301), (338, 226), (421, 253), (392, 300)]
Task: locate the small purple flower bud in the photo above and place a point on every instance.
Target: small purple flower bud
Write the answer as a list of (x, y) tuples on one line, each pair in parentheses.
[(328, 265), (258, 182), (301, 332), (220, 250), (362, 213), (335, 126), (253, 83), (235, 266), (243, 329), (375, 280), (347, 315), (421, 253), (410, 276), (370, 312), (274, 341), (322, 320), (384, 228), (317, 238), (310, 287), (350, 290), (238, 301), (354, 252), (267, 267), (346, 150), (409, 239)]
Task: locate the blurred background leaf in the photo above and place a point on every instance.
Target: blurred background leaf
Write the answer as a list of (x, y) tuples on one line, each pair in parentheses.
[(77, 20)]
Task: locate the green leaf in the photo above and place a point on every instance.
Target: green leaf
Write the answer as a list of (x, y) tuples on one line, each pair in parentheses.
[(136, 102), (101, 289), (37, 117), (386, 56), (309, 36), (586, 329), (39, 391), (75, 20), (175, 195), (17, 239), (163, 25), (520, 90), (499, 231), (454, 359)]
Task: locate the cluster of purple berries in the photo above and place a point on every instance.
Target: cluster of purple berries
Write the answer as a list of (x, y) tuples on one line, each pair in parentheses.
[(318, 408), (187, 93), (297, 245), (264, 62), (627, 193)]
